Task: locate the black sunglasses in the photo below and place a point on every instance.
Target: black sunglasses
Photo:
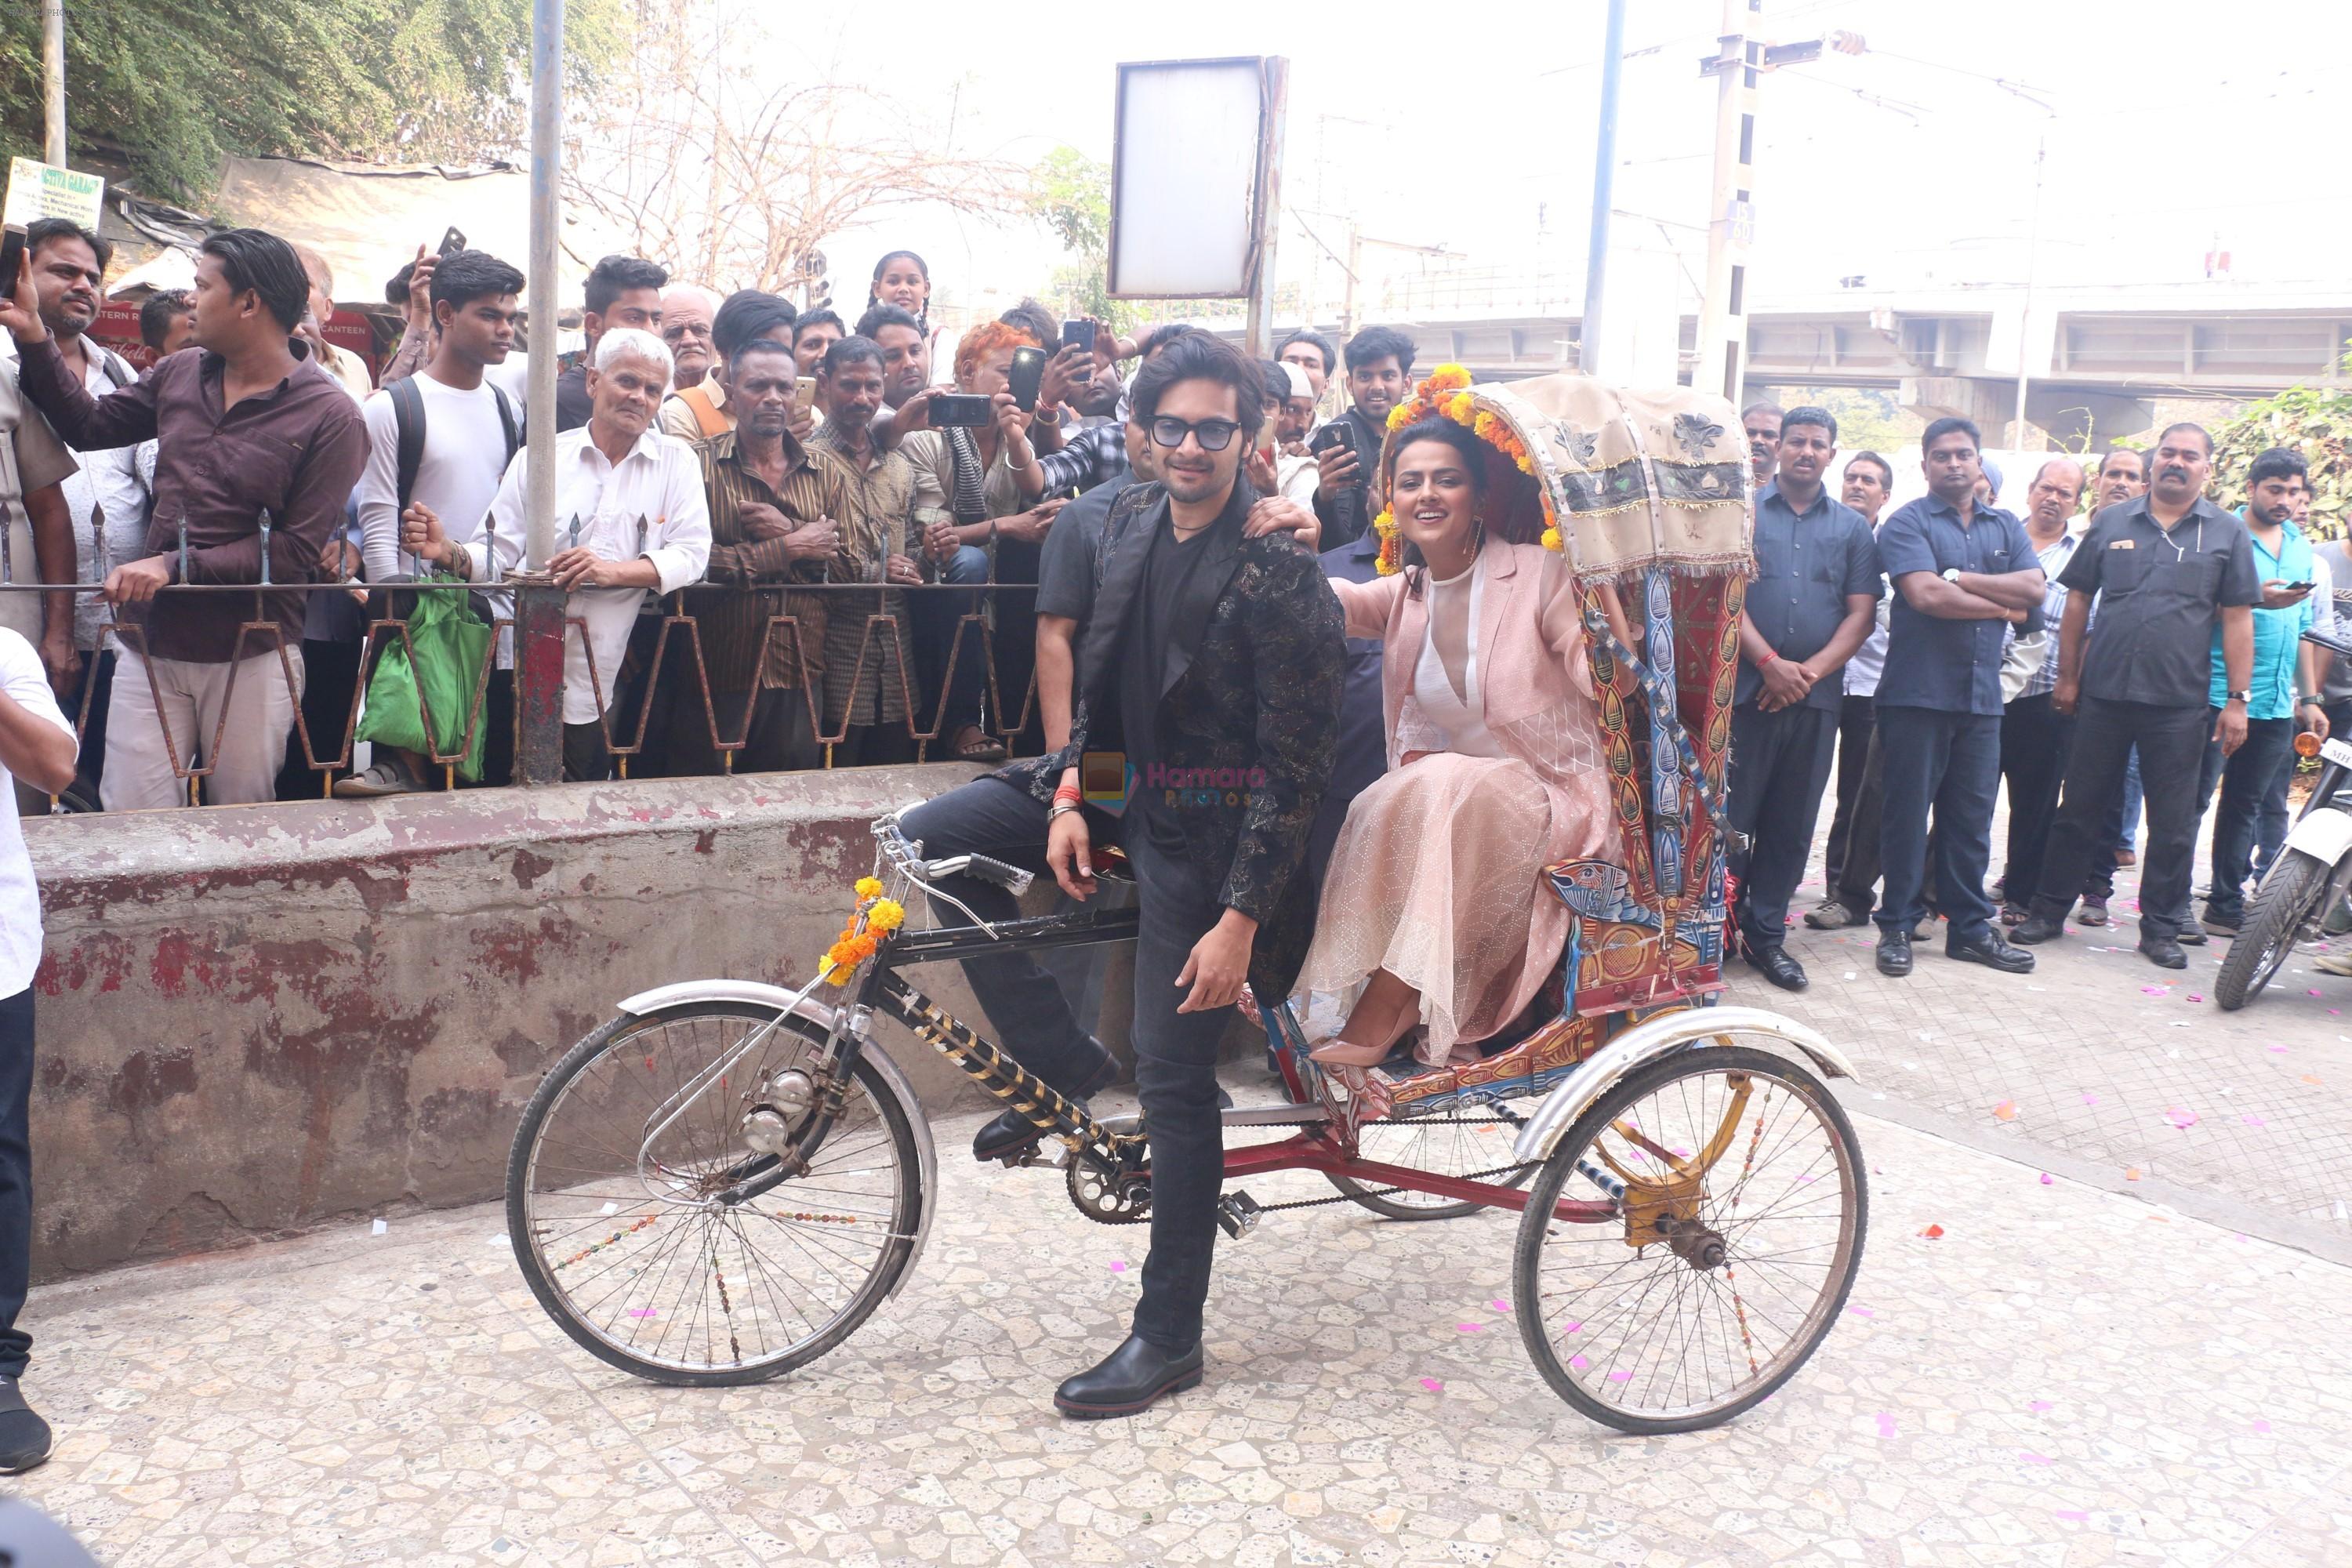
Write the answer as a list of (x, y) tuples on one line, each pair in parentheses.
[(1214, 435)]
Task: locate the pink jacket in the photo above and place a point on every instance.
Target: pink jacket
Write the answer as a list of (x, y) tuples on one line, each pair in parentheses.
[(1533, 674)]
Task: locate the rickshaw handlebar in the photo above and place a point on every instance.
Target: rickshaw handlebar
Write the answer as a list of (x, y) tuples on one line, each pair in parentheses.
[(907, 856)]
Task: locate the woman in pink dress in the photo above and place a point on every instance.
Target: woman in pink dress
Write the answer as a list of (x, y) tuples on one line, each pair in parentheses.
[(1434, 910)]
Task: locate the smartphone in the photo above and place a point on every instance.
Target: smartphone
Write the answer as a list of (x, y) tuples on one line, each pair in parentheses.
[(1028, 370), (1328, 436), (965, 410), (804, 393), (1078, 335), (12, 251), (453, 240)]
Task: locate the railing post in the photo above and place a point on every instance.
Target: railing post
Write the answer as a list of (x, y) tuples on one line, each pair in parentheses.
[(539, 678)]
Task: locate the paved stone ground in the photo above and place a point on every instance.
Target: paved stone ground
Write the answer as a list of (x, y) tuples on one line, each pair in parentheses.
[(2066, 1376), (2104, 1065)]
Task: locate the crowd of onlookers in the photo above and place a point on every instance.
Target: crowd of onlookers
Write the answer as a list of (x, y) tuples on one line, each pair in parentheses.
[(855, 515)]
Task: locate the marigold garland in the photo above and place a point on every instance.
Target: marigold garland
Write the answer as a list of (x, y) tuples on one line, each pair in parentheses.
[(854, 946), (1446, 394)]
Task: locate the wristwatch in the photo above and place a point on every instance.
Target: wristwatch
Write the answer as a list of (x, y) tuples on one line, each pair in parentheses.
[(2240, 697), (1951, 573)]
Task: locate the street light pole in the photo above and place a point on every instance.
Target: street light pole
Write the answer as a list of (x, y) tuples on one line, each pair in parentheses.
[(1604, 183), (2025, 317), (1723, 313), (538, 602)]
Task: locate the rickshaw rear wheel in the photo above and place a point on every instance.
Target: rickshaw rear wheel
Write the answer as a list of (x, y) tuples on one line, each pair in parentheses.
[(1746, 1189)]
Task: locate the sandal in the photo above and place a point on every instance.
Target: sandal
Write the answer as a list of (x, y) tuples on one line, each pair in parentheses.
[(974, 744)]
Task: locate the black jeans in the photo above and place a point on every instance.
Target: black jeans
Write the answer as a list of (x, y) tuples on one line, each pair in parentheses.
[(97, 683), (330, 684), (943, 637), (1857, 718), (1950, 763), (2034, 740), (1175, 1052), (1780, 767), (2247, 777), (2171, 741), (1176, 1079), (15, 1177), (586, 758)]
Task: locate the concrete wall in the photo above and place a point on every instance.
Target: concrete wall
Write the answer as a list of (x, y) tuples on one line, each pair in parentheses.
[(253, 1019)]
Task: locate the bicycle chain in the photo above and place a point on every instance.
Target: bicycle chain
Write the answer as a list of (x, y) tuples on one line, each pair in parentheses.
[(1505, 1118)]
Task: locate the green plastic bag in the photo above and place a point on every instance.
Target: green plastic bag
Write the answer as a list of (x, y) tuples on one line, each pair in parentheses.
[(452, 644)]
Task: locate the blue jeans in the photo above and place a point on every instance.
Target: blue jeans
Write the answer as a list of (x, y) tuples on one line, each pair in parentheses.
[(1950, 763), (2247, 778)]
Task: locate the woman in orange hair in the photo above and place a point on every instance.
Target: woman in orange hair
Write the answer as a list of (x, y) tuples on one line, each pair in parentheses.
[(977, 529)]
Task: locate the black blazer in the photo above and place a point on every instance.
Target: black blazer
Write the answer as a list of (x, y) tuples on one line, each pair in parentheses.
[(1250, 682)]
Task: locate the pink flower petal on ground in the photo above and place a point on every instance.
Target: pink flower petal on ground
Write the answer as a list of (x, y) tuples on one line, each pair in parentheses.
[(1578, 1363), (2253, 1121), (2262, 1425), (1118, 1265), (2312, 992), (2156, 990), (2194, 997), (1500, 1305), (1620, 1377), (645, 1311), (2047, 1178), (1885, 1425), (2182, 1118), (1468, 1328), (1432, 1385), (1862, 1311), (2073, 1513), (2089, 1099), (1572, 1327), (2032, 1458), (2282, 1049)]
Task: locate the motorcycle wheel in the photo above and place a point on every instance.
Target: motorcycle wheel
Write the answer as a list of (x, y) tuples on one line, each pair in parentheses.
[(2287, 897)]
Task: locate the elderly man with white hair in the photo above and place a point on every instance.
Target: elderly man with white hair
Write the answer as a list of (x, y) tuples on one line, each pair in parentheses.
[(630, 516), (687, 310)]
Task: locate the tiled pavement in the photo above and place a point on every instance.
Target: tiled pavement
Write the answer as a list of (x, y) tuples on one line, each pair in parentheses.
[(2066, 1376), (2102, 1065)]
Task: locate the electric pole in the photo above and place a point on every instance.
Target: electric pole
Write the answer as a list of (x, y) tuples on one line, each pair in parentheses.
[(1739, 60)]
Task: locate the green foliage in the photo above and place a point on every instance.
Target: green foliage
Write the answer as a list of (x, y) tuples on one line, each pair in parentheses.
[(180, 84), (1069, 193), (2314, 421), (1868, 420)]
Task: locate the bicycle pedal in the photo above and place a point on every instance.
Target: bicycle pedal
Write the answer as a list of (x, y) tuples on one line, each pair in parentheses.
[(1034, 1155), (1238, 1212)]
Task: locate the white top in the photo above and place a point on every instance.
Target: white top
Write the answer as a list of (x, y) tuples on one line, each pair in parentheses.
[(1297, 478), (119, 482), (458, 474), (20, 901), (1862, 670), (649, 505), (1461, 715)]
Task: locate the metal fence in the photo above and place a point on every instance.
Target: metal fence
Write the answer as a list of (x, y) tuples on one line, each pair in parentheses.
[(664, 679)]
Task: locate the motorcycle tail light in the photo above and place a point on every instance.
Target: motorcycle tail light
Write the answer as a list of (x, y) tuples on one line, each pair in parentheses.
[(2306, 744)]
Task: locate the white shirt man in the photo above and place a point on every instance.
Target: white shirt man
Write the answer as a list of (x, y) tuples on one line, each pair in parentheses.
[(648, 506)]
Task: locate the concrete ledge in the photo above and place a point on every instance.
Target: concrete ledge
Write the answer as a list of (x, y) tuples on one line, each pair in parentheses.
[(253, 1019)]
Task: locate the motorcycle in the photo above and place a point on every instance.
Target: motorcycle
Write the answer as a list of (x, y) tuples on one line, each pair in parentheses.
[(2307, 895)]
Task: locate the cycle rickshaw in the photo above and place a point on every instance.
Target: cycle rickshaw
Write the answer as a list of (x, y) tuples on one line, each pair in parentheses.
[(724, 1180)]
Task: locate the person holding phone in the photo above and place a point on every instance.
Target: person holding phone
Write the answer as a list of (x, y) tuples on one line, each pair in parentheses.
[(985, 530), (1379, 371)]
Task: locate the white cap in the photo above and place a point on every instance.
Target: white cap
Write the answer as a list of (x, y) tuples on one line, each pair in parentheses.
[(1299, 385)]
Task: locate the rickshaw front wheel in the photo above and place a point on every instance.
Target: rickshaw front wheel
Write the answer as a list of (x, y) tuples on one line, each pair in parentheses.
[(1741, 1201)]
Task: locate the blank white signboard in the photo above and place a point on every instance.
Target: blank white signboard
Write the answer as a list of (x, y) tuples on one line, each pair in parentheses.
[(1186, 185)]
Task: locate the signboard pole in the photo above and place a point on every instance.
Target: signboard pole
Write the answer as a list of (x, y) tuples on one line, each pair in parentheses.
[(53, 82), (1258, 338), (1604, 193), (1731, 218), (538, 604)]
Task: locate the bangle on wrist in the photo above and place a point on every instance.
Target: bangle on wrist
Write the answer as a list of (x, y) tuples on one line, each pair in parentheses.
[(1771, 658), (1063, 808)]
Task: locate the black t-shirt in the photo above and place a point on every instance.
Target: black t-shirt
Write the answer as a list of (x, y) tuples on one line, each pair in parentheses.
[(572, 403), (1065, 576), (1167, 569)]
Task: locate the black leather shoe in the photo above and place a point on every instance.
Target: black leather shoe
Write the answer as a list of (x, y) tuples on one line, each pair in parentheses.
[(2163, 952), (1009, 1133), (1993, 953), (2039, 927), (1894, 954), (2191, 933), (1128, 1382), (1779, 967), (24, 1436)]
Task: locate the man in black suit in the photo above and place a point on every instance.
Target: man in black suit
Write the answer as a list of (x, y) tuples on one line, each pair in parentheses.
[(1211, 665)]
